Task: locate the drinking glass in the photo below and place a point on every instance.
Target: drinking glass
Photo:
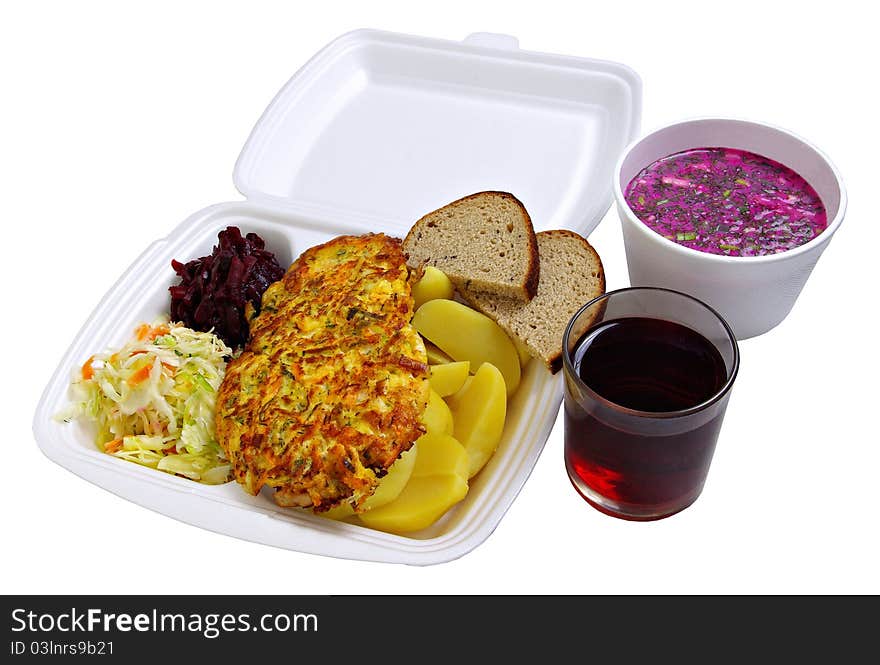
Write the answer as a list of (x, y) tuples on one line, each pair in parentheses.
[(650, 461)]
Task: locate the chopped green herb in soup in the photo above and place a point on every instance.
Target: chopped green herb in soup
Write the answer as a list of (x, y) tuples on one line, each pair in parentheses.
[(727, 201)]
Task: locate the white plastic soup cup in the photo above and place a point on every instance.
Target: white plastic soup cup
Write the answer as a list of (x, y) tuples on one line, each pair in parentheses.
[(752, 293)]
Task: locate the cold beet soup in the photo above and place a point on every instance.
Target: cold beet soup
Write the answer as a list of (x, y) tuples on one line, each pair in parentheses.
[(727, 201)]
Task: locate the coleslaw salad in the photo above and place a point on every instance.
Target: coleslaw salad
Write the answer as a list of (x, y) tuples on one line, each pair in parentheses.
[(153, 400)]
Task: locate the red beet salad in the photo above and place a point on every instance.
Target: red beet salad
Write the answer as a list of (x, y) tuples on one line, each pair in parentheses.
[(726, 201)]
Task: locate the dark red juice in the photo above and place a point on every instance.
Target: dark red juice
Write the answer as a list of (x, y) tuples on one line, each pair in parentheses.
[(651, 463)]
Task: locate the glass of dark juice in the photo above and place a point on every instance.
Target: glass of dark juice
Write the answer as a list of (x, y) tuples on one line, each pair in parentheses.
[(647, 373)]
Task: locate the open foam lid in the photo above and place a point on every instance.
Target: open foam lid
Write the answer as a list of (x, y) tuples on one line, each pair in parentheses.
[(380, 128)]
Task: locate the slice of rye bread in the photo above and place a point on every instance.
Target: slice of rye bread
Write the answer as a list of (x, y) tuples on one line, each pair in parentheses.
[(571, 276), (484, 242)]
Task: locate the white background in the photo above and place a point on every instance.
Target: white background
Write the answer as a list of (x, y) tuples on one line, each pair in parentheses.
[(116, 124)]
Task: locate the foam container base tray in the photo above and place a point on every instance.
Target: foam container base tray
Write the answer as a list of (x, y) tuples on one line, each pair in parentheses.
[(315, 167)]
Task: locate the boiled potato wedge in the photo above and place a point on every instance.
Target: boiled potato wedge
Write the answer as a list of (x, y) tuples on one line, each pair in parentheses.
[(437, 417), (433, 284), (392, 483), (449, 378), (422, 502), (339, 512), (435, 355), (440, 454), (478, 413), (438, 481), (465, 334), (453, 400)]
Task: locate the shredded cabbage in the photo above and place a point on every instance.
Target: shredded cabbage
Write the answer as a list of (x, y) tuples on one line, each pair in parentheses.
[(153, 400)]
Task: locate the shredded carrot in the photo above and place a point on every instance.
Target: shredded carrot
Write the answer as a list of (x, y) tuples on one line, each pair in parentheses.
[(87, 370), (158, 331), (140, 375), (171, 368), (113, 446), (145, 332)]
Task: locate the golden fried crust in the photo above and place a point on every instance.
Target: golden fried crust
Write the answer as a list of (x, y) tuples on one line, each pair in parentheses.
[(331, 387)]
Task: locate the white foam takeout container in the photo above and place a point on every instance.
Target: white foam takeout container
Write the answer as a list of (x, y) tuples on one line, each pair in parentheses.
[(374, 131)]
